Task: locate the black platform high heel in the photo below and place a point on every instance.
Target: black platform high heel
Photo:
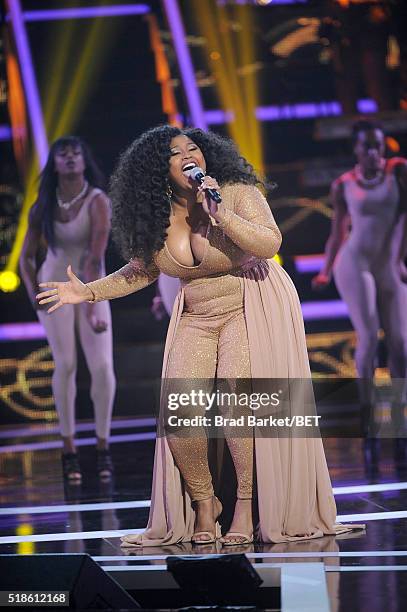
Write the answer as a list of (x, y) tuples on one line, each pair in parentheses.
[(71, 468), (104, 463)]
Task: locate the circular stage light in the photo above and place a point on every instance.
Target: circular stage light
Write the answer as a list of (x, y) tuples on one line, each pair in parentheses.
[(9, 281)]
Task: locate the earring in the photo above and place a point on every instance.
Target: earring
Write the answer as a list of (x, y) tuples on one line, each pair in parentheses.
[(168, 193)]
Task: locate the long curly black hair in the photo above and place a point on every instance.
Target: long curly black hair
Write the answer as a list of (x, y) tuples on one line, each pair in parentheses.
[(43, 210), (139, 185)]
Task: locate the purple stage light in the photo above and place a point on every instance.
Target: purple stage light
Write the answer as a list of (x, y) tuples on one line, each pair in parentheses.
[(30, 83), (267, 113), (11, 332), (270, 3), (5, 132), (332, 309), (50, 444), (309, 263), (46, 429), (308, 110), (304, 110), (185, 64), (367, 106), (216, 117), (87, 12)]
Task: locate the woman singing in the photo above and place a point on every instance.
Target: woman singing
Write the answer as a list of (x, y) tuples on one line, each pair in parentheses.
[(72, 215), (237, 316)]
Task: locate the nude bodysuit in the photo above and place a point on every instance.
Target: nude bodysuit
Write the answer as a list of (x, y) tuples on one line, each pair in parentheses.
[(72, 239), (366, 271), (237, 315)]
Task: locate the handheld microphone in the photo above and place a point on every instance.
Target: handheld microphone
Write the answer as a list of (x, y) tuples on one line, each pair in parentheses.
[(197, 174)]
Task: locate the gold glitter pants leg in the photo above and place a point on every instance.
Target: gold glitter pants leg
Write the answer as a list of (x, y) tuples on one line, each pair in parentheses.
[(234, 364), (211, 340), (193, 355)]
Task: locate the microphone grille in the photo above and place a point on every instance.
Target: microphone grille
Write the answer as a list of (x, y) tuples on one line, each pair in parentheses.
[(195, 172)]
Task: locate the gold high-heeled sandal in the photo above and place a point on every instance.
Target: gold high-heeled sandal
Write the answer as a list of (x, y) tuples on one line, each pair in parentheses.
[(245, 538), (212, 537)]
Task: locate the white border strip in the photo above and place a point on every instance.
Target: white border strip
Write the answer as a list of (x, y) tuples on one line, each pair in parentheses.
[(75, 507), (250, 555), (367, 568), (76, 535), (329, 568), (373, 516), (370, 488), (145, 503)]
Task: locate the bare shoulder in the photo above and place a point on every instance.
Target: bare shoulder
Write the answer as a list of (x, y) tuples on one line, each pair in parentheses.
[(398, 166), (396, 162), (337, 194), (100, 202), (340, 182), (100, 198)]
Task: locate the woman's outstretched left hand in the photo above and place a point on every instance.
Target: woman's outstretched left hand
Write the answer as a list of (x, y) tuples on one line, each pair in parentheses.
[(211, 207), (72, 292)]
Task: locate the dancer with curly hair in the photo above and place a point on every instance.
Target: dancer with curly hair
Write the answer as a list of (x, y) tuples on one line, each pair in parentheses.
[(237, 316), (72, 216)]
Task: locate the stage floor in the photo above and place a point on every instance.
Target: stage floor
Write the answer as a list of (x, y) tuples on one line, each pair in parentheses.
[(364, 570)]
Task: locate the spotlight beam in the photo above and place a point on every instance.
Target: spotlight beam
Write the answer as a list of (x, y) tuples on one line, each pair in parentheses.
[(185, 64), (29, 80)]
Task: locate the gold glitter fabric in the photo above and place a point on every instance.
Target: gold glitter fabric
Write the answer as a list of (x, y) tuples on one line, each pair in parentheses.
[(128, 279), (248, 230), (211, 340)]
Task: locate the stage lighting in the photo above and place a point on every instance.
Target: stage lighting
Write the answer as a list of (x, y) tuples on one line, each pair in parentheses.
[(263, 2), (392, 144), (9, 281), (278, 259)]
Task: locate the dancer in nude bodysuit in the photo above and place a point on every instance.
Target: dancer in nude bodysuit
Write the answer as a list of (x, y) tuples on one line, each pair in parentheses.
[(73, 215), (368, 262)]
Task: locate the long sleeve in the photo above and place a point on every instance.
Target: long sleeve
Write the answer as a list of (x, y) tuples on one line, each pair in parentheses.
[(132, 277), (251, 224)]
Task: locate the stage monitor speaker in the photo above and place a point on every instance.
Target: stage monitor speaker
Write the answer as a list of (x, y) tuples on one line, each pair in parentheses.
[(220, 580), (89, 587)]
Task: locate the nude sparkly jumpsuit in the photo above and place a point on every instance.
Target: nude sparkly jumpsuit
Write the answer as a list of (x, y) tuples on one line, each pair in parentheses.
[(237, 316)]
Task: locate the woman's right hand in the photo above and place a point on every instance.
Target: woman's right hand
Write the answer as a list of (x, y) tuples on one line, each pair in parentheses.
[(72, 292), (320, 281)]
